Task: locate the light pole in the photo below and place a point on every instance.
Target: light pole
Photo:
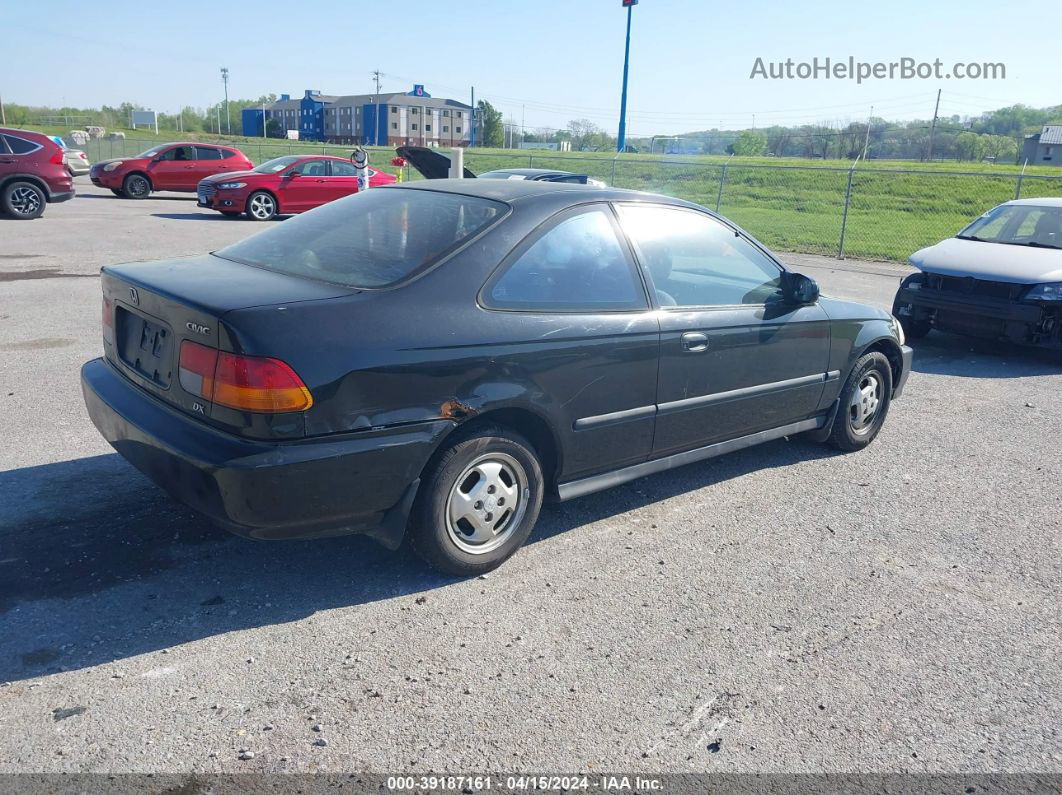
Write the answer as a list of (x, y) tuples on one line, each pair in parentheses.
[(225, 80), (621, 142)]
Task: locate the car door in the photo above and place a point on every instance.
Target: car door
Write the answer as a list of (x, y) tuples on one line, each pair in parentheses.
[(572, 302), (8, 159), (304, 186), (174, 169), (208, 162), (342, 179), (735, 357)]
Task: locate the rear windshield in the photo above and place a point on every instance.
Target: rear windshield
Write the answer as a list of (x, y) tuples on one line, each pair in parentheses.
[(371, 239)]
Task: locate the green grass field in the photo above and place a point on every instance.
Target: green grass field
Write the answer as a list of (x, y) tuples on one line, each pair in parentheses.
[(896, 207)]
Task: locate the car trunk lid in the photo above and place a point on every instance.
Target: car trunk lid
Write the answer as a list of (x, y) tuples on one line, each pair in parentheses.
[(430, 163), (152, 307)]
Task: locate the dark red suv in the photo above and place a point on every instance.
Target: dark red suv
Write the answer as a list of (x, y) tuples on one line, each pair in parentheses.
[(175, 166), (32, 173)]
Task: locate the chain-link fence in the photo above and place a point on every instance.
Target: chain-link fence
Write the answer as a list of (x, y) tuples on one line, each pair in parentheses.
[(859, 211)]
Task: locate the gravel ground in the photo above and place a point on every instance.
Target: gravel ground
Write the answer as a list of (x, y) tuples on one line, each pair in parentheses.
[(784, 608)]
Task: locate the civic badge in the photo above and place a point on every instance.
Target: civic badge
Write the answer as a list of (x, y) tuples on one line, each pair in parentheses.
[(134, 296)]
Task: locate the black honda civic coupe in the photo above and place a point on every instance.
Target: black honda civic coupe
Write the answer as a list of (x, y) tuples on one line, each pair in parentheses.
[(430, 361)]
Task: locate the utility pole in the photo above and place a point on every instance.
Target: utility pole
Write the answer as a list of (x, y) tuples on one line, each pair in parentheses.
[(376, 123), (621, 139), (472, 120), (3, 113), (228, 121), (866, 141), (933, 127)]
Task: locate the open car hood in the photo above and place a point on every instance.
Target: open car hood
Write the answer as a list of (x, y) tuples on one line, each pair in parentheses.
[(430, 163)]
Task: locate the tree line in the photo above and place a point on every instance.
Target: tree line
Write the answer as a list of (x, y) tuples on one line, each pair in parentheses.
[(992, 136)]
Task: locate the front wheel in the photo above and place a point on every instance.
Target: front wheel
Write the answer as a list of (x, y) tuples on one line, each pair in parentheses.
[(478, 501), (136, 186), (864, 404), (23, 200), (261, 206)]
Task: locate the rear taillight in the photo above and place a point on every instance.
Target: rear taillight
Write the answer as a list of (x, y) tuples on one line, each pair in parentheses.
[(108, 321), (249, 383), (57, 158), (195, 370)]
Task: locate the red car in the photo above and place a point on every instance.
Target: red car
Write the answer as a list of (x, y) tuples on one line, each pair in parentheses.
[(284, 186), (177, 166), (32, 173)]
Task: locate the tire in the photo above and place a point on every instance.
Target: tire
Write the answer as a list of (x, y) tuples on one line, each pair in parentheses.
[(261, 206), (23, 200), (136, 186), (864, 404), (460, 522)]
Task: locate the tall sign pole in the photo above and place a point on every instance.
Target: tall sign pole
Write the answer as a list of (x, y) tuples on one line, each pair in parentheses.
[(621, 142)]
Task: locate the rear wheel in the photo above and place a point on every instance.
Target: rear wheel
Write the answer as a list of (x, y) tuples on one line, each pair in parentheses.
[(864, 405), (136, 186), (23, 200), (478, 501), (261, 206)]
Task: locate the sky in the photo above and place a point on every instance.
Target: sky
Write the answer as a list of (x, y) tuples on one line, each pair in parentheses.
[(542, 63)]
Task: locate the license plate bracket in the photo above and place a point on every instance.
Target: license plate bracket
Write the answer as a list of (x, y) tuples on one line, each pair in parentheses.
[(145, 346)]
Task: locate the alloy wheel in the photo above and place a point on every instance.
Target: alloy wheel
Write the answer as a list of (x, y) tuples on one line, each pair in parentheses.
[(262, 206), (137, 187), (25, 200)]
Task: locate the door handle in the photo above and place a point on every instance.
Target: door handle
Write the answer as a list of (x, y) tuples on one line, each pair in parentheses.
[(6, 160), (694, 342)]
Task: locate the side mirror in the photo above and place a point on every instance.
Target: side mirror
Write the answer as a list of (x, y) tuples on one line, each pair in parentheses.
[(799, 289), (291, 175)]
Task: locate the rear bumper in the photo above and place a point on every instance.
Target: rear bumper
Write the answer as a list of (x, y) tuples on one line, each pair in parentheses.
[(55, 198), (361, 482), (992, 318)]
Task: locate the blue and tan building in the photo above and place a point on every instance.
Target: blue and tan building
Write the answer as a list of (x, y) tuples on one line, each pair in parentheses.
[(393, 119)]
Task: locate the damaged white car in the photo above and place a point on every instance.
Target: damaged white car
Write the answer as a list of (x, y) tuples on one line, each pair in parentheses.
[(999, 278)]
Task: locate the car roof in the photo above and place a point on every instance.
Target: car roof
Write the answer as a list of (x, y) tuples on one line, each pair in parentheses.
[(17, 131), (1050, 201), (508, 190)]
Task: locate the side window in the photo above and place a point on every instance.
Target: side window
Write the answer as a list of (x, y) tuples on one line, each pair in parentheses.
[(20, 146), (341, 169), (227, 153), (578, 265), (694, 260), (3, 146), (207, 153), (178, 153), (312, 168)]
